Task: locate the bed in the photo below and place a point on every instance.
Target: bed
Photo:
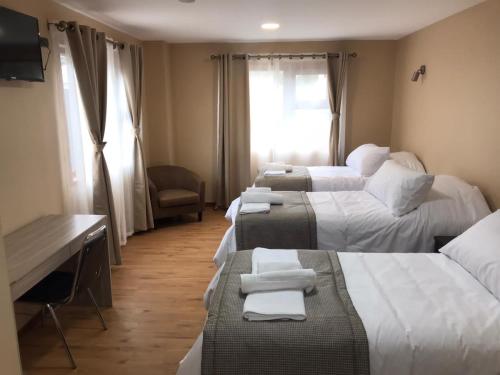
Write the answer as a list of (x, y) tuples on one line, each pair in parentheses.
[(335, 178), (421, 313), (356, 221)]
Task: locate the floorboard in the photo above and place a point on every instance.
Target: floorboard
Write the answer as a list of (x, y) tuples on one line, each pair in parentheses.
[(158, 308)]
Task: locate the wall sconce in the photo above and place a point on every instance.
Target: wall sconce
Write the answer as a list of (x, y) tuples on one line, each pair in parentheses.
[(420, 71)]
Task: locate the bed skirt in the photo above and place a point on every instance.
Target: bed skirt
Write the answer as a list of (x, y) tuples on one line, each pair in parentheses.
[(332, 340), (288, 226), (297, 180)]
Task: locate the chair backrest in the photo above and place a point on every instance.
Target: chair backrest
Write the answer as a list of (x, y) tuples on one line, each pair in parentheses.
[(90, 256), (171, 177)]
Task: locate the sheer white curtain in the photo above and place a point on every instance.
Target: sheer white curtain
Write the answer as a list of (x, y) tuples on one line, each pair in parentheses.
[(289, 111), (75, 145), (119, 150)]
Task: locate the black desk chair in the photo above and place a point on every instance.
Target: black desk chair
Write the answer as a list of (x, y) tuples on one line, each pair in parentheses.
[(60, 288)]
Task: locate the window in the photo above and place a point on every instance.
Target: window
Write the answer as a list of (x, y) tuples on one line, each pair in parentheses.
[(289, 111)]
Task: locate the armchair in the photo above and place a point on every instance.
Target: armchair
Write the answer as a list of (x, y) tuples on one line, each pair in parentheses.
[(175, 191)]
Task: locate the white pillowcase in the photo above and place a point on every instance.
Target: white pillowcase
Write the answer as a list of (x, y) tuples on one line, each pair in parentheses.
[(367, 159), (452, 206), (478, 251), (408, 160), (399, 188)]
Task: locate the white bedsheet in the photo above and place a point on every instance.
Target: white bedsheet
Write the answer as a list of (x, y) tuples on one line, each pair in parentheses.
[(356, 221), (327, 178), (423, 315)]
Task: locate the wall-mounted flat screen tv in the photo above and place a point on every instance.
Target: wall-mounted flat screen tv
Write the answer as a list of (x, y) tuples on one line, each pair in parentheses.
[(20, 52)]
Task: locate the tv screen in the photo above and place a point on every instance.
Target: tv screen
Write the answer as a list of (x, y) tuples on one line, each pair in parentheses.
[(20, 52)]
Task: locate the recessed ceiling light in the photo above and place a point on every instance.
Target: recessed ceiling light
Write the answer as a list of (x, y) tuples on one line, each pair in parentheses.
[(186, 1), (270, 26)]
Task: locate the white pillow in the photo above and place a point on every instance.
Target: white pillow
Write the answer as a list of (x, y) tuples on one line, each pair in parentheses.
[(408, 160), (478, 251), (452, 206), (367, 159), (399, 188)]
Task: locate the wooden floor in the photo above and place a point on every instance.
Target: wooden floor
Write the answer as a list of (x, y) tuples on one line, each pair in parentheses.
[(158, 308)]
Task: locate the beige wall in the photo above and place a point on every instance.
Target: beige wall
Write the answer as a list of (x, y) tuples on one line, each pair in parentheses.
[(159, 135), (193, 96), (451, 119), (29, 160)]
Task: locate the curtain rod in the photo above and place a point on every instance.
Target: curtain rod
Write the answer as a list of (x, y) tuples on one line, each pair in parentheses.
[(63, 26), (283, 56)]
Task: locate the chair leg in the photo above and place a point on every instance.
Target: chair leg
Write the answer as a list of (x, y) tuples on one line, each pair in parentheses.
[(200, 215), (91, 296), (61, 333)]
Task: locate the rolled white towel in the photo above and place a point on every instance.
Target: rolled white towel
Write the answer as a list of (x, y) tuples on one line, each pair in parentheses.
[(280, 172), (298, 279), (258, 190), (255, 208), (277, 166), (271, 198)]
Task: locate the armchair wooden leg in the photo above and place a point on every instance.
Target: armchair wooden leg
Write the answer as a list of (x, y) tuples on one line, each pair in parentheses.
[(200, 215)]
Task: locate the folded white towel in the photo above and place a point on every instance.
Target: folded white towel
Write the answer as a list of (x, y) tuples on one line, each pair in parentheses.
[(286, 304), (262, 255), (278, 266), (255, 208), (271, 198), (276, 166), (298, 279), (280, 172), (259, 190)]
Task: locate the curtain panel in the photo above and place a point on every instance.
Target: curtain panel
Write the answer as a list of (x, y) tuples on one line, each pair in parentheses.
[(233, 129), (88, 49), (132, 66), (119, 151), (337, 73), (75, 146)]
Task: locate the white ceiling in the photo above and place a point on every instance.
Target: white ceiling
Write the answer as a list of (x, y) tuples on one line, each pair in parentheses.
[(240, 20)]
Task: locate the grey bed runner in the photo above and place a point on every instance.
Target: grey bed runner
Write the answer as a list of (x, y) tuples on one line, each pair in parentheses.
[(332, 340), (297, 180), (288, 226)]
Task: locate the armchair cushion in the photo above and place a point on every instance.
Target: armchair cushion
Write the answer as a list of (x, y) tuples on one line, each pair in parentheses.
[(177, 197)]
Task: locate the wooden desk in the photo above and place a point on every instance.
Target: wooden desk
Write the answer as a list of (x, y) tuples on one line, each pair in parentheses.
[(42, 246)]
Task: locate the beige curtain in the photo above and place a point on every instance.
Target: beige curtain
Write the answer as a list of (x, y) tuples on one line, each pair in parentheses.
[(233, 129), (88, 49), (132, 66), (337, 72)]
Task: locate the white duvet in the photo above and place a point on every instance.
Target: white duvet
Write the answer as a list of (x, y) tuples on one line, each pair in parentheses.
[(356, 221), (423, 315), (327, 178)]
